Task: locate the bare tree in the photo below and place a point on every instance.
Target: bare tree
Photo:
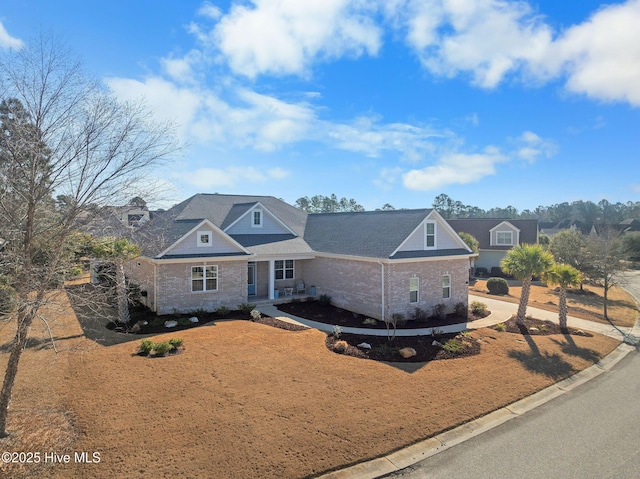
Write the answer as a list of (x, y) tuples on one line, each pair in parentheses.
[(64, 134)]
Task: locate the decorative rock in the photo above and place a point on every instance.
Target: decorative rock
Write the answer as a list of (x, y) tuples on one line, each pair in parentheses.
[(364, 345), (534, 330), (170, 324), (193, 319), (135, 328), (436, 343), (407, 352)]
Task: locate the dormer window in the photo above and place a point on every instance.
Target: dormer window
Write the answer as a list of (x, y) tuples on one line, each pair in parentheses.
[(204, 238), (430, 235), (256, 220), (504, 238)]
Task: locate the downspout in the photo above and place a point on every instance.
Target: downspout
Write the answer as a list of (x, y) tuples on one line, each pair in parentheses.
[(155, 287), (382, 286)]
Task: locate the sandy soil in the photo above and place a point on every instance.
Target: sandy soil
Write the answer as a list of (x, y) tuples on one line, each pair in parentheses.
[(622, 308), (245, 400)]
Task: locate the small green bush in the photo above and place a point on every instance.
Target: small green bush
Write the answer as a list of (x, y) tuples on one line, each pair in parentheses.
[(223, 311), (324, 299), (454, 346), (497, 286), (337, 331), (461, 309), (500, 327), (146, 346), (160, 349), (478, 308), (176, 342), (246, 307), (370, 322), (182, 321), (255, 315)]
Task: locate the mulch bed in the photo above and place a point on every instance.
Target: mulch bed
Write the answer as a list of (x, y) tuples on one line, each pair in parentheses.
[(539, 327), (384, 350), (329, 314)]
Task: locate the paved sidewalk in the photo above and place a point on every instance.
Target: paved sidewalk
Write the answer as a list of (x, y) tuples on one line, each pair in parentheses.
[(500, 312)]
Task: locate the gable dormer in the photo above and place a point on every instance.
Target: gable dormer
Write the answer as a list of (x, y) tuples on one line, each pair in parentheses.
[(256, 219), (204, 239), (504, 234), (433, 233)]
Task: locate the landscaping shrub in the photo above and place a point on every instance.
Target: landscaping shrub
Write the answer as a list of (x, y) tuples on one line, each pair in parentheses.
[(7, 299), (419, 314), (482, 272), (479, 309), (370, 322), (146, 346), (176, 342), (461, 309), (182, 321), (255, 315), (324, 299), (398, 319), (440, 311), (337, 331), (500, 327), (160, 349), (223, 311), (454, 346), (246, 307), (340, 347), (497, 286)]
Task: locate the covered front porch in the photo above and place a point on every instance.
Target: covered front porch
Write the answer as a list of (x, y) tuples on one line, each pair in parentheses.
[(275, 281)]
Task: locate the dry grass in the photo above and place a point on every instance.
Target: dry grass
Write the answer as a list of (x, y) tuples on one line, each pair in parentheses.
[(622, 308), (246, 400)]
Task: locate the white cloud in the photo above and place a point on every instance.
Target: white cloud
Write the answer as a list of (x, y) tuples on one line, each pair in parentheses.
[(601, 56), (7, 41), (209, 178), (530, 147), (387, 178), (285, 37), (487, 38), (454, 168), (210, 11)]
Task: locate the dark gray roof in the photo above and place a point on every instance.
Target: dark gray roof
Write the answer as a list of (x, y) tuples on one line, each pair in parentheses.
[(480, 228), (430, 253), (374, 234)]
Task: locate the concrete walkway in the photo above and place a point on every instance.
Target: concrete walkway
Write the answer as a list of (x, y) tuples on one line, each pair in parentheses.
[(501, 311)]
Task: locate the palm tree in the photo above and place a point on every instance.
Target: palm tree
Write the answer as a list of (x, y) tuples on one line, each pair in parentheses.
[(525, 261), (119, 251), (564, 276)]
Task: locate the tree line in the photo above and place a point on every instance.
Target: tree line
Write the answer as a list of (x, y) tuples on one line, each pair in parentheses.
[(603, 212)]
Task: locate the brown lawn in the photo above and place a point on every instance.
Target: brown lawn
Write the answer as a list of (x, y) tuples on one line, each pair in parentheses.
[(621, 308), (246, 400)]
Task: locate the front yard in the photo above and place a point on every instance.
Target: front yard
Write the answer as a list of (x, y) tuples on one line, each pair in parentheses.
[(248, 400)]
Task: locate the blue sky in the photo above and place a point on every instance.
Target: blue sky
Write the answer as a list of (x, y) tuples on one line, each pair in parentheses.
[(492, 102)]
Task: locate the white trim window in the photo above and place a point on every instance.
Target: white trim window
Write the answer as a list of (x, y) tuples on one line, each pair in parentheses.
[(429, 235), (204, 238), (256, 219), (414, 290), (504, 238), (446, 286), (204, 278), (284, 269)]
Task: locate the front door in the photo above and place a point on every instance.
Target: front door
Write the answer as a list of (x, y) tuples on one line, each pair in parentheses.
[(251, 278)]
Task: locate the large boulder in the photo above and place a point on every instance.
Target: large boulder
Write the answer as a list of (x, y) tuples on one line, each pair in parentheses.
[(407, 352)]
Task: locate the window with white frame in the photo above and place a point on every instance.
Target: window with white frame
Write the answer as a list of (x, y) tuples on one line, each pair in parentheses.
[(284, 269), (414, 287), (430, 235), (256, 219), (504, 238), (204, 238), (204, 278), (446, 286)]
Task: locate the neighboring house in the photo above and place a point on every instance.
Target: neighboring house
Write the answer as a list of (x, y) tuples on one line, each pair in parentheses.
[(588, 229), (496, 237), (217, 250)]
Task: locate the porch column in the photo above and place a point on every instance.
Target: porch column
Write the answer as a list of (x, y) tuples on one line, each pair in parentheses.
[(272, 275)]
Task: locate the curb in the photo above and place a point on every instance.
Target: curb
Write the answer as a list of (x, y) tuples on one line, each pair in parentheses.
[(415, 453)]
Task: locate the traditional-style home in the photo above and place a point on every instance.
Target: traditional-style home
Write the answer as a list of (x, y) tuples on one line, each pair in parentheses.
[(216, 250)]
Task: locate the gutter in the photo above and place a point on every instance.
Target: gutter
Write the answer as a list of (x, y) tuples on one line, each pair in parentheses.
[(382, 287)]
